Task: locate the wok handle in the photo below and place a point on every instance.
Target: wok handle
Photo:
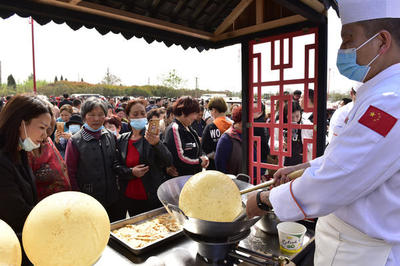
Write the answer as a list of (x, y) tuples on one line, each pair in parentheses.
[(175, 208), (292, 176), (262, 185)]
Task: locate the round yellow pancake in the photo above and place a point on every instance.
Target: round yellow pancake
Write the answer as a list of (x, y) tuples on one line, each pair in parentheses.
[(211, 196), (10, 249), (66, 228)]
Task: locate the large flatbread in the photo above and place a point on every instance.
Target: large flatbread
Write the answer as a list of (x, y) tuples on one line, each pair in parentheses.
[(10, 249), (211, 196), (66, 228)]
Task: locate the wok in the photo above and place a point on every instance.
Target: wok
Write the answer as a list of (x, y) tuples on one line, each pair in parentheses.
[(168, 193)]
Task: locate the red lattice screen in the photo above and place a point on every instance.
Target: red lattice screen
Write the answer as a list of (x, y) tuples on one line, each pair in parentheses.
[(277, 64)]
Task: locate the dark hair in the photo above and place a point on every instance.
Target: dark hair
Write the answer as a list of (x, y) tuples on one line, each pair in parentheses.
[(153, 112), (65, 95), (218, 103), (92, 103), (295, 107), (186, 105), (297, 92), (169, 111), (132, 103), (311, 95), (237, 114), (115, 120), (373, 26), (346, 100), (76, 102), (19, 108)]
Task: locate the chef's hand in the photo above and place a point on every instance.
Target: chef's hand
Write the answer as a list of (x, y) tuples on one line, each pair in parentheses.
[(151, 138), (281, 176), (251, 205), (171, 171), (204, 161), (140, 170)]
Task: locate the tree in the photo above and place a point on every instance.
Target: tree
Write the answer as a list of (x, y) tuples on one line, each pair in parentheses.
[(61, 78), (173, 80), (11, 82), (55, 79), (110, 79), (81, 79)]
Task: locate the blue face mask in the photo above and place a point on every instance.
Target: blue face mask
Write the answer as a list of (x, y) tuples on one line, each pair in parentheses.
[(74, 128), (347, 63), (91, 129), (139, 123), (27, 144)]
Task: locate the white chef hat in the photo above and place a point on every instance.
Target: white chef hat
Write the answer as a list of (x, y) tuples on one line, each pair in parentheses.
[(360, 10)]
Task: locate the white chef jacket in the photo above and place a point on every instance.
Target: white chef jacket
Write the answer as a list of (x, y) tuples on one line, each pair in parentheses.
[(338, 119), (358, 177)]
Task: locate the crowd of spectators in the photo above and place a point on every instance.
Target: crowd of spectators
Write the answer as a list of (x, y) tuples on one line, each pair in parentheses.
[(121, 150)]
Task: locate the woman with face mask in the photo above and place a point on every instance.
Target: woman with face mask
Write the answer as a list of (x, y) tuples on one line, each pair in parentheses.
[(73, 125), (91, 156), (183, 141), (23, 126), (48, 166), (143, 157)]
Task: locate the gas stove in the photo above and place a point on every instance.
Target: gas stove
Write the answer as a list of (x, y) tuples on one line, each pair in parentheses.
[(226, 251), (251, 247)]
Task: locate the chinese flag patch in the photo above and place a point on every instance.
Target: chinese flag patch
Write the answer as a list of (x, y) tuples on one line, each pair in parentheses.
[(378, 120)]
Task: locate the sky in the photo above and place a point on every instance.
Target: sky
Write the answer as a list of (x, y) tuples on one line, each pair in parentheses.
[(87, 54)]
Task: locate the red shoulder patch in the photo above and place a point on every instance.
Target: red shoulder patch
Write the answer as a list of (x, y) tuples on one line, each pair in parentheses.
[(378, 120)]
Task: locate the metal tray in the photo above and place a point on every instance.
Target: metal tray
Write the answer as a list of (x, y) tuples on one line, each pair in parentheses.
[(143, 217)]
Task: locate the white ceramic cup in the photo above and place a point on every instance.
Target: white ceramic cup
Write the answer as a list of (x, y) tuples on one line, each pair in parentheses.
[(291, 236)]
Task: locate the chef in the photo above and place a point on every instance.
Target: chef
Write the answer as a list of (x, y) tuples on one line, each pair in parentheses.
[(355, 186)]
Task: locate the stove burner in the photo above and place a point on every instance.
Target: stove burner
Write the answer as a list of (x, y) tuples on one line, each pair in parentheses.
[(214, 251), (224, 251)]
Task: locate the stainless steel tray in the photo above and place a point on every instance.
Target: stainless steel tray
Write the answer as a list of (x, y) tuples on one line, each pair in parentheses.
[(141, 218)]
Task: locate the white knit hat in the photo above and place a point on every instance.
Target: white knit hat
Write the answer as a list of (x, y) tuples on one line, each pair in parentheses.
[(360, 10)]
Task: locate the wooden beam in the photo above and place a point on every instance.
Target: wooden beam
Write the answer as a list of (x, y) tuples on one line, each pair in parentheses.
[(259, 11), (300, 8), (178, 7), (199, 9), (260, 27), (152, 8), (129, 17), (75, 2), (315, 4), (232, 16), (220, 9)]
